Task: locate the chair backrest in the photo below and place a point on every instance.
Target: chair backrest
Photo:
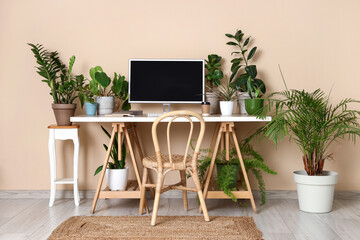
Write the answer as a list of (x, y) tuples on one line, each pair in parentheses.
[(174, 115)]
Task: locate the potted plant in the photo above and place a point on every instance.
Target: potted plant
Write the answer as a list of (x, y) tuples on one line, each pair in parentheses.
[(227, 97), (228, 171), (213, 79), (116, 172), (63, 85), (244, 82), (100, 81), (254, 105), (313, 123), (87, 98)]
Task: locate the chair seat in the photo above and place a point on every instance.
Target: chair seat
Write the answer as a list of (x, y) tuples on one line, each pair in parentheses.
[(177, 161)]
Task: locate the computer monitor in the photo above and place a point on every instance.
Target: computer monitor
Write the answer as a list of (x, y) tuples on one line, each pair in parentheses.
[(166, 81)]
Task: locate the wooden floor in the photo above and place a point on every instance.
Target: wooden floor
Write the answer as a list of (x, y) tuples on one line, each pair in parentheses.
[(278, 219)]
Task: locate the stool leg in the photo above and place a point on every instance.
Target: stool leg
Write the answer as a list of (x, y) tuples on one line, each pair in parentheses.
[(52, 156), (76, 171)]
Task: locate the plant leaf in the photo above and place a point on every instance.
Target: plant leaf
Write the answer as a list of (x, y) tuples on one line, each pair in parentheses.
[(251, 53)]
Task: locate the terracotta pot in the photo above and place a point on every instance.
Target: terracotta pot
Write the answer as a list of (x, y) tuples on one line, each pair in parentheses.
[(63, 112)]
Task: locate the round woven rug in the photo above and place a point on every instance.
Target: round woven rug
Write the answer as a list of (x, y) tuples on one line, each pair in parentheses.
[(167, 227)]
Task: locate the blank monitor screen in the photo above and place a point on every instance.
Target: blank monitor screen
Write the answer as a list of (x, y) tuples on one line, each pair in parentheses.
[(166, 81)]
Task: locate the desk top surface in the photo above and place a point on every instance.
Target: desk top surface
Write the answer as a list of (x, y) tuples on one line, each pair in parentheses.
[(144, 118)]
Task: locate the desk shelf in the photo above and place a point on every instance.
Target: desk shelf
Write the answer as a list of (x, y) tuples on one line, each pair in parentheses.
[(132, 191)]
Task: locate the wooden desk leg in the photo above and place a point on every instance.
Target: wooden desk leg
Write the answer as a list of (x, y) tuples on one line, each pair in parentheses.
[(141, 154), (244, 170), (136, 169), (211, 167), (111, 143)]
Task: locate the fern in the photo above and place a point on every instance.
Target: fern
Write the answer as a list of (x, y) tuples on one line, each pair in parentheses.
[(253, 162)]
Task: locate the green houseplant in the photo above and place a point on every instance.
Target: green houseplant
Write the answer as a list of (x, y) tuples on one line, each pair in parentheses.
[(254, 105), (119, 89), (227, 96), (213, 80), (116, 172), (313, 123), (227, 171), (243, 74), (63, 86), (88, 98)]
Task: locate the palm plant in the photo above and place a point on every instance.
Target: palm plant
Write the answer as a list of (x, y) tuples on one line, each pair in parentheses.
[(312, 122)]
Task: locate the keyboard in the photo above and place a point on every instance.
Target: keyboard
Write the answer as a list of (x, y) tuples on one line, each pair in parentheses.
[(154, 114)]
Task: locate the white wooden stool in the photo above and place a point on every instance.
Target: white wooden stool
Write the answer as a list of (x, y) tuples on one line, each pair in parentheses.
[(63, 133)]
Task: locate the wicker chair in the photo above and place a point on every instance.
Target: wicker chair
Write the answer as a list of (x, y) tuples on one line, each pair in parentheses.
[(162, 164)]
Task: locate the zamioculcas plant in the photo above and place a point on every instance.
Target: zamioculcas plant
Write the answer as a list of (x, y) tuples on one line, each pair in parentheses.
[(247, 80)]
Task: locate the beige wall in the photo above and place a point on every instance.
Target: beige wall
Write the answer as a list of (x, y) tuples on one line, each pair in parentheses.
[(317, 44)]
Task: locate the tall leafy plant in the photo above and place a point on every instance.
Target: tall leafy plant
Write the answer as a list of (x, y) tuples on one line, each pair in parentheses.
[(312, 122), (246, 81), (63, 85)]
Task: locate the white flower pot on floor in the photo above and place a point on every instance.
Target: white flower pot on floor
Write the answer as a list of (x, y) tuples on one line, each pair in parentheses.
[(226, 107), (117, 178), (315, 193)]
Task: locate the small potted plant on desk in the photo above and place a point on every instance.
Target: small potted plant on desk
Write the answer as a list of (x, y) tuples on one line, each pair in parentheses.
[(246, 81), (313, 123), (116, 172), (88, 98), (213, 78), (255, 103), (63, 85), (100, 81), (227, 96)]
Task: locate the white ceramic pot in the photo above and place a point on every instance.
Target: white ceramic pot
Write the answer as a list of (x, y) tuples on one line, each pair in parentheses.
[(117, 178), (315, 193), (226, 107), (106, 105), (214, 102), (241, 96)]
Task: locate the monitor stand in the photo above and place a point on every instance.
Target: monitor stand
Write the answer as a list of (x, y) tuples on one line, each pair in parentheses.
[(168, 108)]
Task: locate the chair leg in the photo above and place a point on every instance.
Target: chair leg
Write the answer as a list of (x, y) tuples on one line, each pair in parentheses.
[(159, 183), (143, 191), (183, 182), (195, 177)]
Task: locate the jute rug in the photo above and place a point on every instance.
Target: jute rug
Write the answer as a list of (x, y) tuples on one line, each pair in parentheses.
[(167, 227)]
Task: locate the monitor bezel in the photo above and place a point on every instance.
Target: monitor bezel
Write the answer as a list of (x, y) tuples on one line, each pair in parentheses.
[(168, 60)]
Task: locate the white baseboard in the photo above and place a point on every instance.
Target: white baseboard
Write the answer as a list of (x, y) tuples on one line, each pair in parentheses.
[(274, 194)]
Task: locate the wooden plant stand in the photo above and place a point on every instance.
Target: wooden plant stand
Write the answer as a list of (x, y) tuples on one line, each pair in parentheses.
[(133, 187), (222, 134)]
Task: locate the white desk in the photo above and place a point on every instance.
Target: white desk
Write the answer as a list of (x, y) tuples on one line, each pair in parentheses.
[(223, 130), (144, 119)]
